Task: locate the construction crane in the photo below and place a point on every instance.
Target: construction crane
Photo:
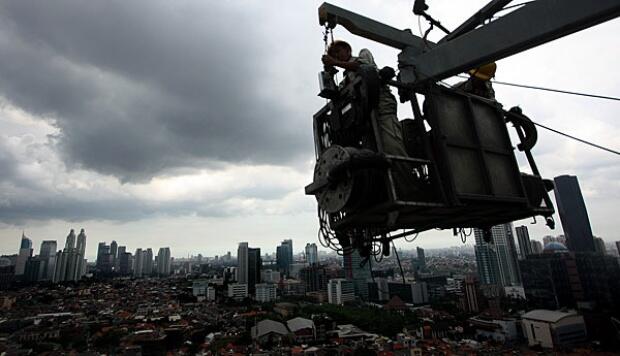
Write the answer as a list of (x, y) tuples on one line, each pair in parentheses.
[(461, 166)]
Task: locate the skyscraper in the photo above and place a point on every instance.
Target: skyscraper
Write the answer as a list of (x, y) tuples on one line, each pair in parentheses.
[(254, 269), (138, 263), (421, 257), (353, 270), (81, 249), (573, 214), (618, 246), (284, 256), (312, 254), (164, 261), (70, 262), (497, 261), (114, 254), (48, 254), (525, 247), (70, 241), (242, 263), (25, 252), (148, 262)]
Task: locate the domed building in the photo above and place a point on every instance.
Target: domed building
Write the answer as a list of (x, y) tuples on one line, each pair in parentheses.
[(555, 247)]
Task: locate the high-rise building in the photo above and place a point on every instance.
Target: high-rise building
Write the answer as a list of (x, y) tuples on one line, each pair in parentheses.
[(618, 246), (315, 278), (105, 260), (340, 291), (25, 252), (265, 292), (472, 294), (573, 214), (81, 249), (164, 261), (355, 271), (421, 257), (242, 263), (410, 292), (35, 269), (125, 263), (537, 247), (497, 260), (114, 255), (70, 262), (70, 241), (284, 257), (559, 278), (599, 246), (312, 254), (48, 254), (148, 262), (255, 264), (525, 247), (138, 263)]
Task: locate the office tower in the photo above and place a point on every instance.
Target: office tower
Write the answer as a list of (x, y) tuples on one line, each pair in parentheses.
[(618, 246), (525, 247), (25, 252), (70, 241), (472, 294), (255, 264), (289, 243), (125, 263), (242, 263), (421, 257), (497, 261), (573, 214), (559, 278), (410, 292), (284, 256), (164, 261), (81, 250), (35, 269), (114, 255), (148, 262), (70, 262), (312, 254), (537, 247), (138, 263), (340, 291), (48, 253), (355, 271), (314, 277), (599, 246)]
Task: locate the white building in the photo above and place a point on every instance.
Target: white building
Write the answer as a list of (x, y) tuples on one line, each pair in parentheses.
[(211, 294), (552, 328), (265, 292), (238, 291), (340, 291)]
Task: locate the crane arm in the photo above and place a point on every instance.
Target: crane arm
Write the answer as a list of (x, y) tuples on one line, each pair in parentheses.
[(533, 24)]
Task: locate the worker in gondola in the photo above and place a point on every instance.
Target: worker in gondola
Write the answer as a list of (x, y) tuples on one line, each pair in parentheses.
[(339, 54), (479, 82)]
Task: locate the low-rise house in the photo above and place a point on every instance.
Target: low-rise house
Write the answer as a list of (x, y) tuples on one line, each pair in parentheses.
[(553, 328), (303, 330), (269, 332)]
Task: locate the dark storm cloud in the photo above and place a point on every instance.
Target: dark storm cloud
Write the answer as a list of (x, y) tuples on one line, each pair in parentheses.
[(140, 88)]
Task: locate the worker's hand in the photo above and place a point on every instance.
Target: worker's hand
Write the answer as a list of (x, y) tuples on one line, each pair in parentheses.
[(328, 60)]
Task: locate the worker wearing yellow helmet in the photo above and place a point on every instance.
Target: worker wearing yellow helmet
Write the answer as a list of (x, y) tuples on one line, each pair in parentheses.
[(479, 82)]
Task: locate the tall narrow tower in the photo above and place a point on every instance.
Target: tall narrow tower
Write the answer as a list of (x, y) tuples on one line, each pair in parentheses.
[(573, 214)]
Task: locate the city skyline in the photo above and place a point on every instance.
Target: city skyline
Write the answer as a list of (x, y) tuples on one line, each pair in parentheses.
[(161, 149)]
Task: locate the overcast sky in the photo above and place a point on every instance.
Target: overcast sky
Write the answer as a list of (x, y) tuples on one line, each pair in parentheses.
[(189, 123)]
